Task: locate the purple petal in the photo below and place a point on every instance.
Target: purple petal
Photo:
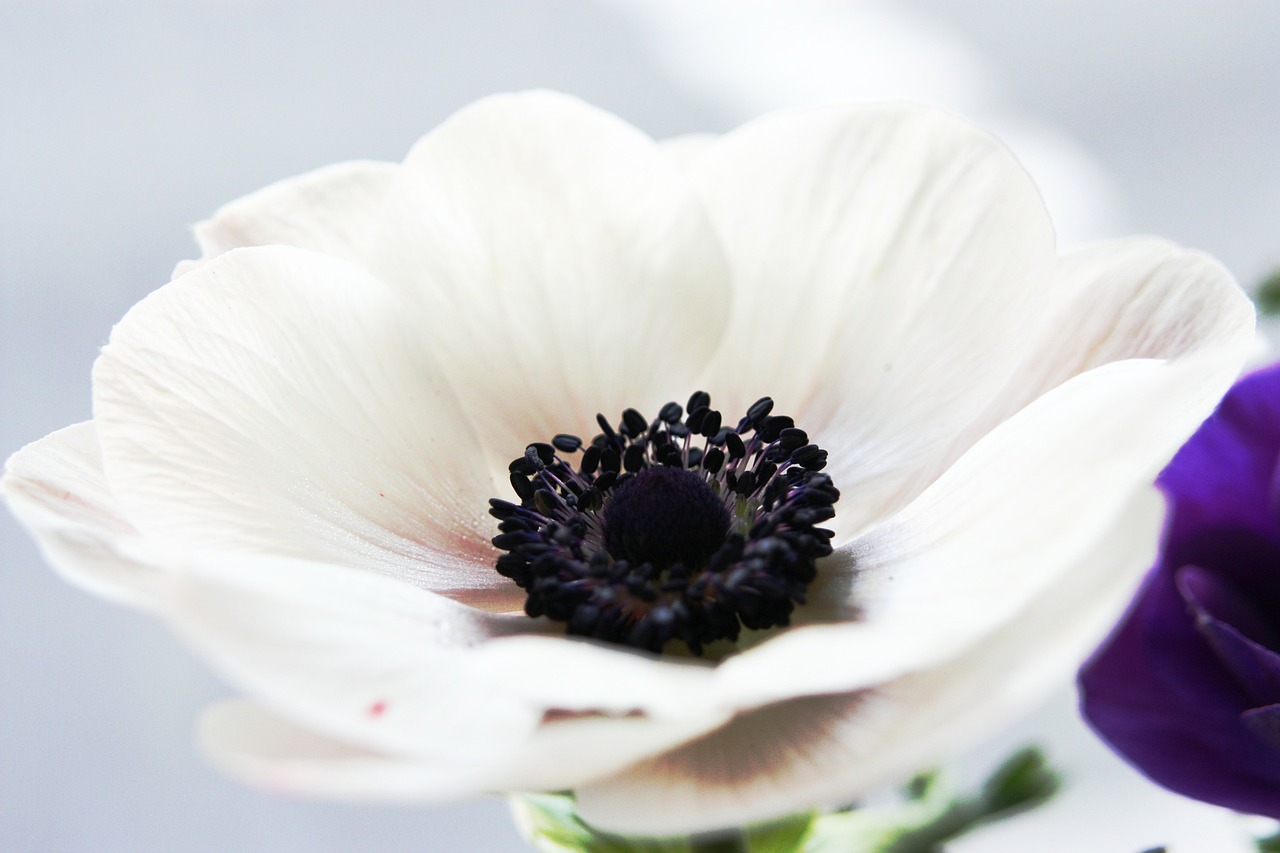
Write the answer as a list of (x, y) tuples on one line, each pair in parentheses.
[(1226, 475), (1235, 630), (1188, 687), (1265, 723), (1163, 699)]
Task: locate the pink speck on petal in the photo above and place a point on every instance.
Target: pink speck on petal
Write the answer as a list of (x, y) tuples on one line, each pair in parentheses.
[(377, 709)]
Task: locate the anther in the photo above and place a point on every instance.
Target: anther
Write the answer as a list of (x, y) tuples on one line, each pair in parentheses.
[(633, 424), (566, 443)]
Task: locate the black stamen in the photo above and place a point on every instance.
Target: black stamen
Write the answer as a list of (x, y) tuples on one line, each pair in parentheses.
[(633, 424), (523, 488), (566, 443), (711, 423), (633, 459), (759, 409), (605, 428), (696, 418), (590, 460), (652, 540)]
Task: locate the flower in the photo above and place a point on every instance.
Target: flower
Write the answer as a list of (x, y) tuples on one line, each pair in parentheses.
[(295, 442), (1188, 687)]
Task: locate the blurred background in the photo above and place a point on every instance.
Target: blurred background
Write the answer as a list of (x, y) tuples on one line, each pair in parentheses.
[(123, 123)]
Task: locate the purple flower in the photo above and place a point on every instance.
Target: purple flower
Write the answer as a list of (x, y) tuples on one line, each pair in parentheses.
[(1188, 687)]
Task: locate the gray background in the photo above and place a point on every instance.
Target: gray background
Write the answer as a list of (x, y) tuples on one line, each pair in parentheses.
[(121, 124)]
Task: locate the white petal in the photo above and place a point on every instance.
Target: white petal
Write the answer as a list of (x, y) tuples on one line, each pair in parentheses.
[(566, 754), (578, 675), (331, 210), (1013, 514), (261, 748), (1123, 299), (1141, 298), (1035, 653), (181, 268), (888, 262), (765, 763), (685, 151), (56, 489), (278, 401), (403, 671), (255, 746), (359, 657), (562, 265), (825, 751)]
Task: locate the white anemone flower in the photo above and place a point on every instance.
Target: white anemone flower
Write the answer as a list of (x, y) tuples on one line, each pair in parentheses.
[(294, 444)]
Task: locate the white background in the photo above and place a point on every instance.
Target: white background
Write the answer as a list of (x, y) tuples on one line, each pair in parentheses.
[(121, 124)]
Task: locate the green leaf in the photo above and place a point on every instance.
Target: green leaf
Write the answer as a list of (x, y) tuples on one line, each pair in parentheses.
[(780, 836), (933, 812), (918, 787), (1267, 296), (1023, 781)]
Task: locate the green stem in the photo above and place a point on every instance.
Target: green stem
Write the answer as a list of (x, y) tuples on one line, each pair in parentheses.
[(719, 843)]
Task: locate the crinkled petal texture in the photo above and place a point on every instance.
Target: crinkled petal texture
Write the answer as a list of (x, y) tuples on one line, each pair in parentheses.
[(1189, 685), (294, 442)]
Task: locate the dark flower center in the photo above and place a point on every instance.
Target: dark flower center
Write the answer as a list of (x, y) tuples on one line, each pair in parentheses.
[(676, 529), (665, 516)]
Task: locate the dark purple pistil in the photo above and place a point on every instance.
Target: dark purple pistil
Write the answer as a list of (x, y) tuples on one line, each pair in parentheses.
[(665, 516)]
